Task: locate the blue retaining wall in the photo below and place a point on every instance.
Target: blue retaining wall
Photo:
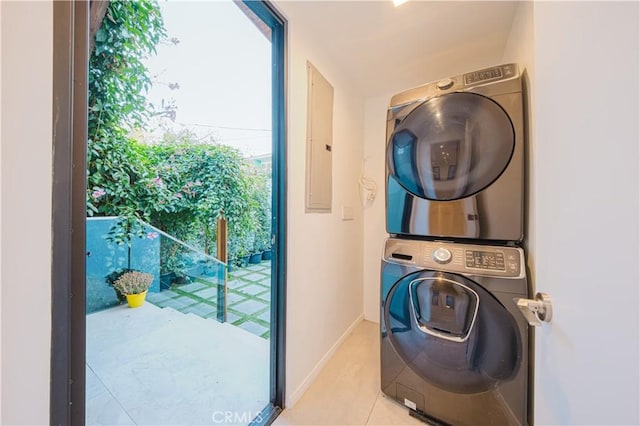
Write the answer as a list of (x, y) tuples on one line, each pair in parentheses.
[(104, 257)]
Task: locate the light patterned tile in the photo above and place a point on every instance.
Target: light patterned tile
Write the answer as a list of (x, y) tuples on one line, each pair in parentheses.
[(387, 412), (349, 384)]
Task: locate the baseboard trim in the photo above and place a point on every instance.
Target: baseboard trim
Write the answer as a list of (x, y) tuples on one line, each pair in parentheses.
[(295, 396)]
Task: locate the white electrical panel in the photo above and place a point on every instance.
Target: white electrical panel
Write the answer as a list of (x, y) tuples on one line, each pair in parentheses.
[(319, 141)]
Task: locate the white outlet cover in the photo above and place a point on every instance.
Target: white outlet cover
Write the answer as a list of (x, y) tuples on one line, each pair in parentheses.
[(347, 213)]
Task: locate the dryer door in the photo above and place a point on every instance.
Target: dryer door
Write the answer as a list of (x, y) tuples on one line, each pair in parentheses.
[(452, 332), (451, 147)]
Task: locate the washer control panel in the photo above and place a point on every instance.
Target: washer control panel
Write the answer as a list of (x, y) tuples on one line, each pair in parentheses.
[(481, 259), (502, 261)]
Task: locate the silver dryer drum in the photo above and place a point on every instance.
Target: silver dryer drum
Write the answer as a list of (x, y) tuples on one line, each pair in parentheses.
[(455, 158)]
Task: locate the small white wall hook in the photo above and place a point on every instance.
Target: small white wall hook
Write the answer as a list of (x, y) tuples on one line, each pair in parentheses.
[(368, 188)]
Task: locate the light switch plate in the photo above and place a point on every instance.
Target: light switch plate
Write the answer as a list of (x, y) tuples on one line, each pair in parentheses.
[(347, 213)]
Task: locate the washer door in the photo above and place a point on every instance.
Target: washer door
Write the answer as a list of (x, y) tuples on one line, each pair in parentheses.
[(452, 332), (451, 147), (443, 308)]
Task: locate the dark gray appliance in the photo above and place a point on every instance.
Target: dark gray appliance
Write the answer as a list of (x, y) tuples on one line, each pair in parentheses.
[(455, 158), (454, 346)]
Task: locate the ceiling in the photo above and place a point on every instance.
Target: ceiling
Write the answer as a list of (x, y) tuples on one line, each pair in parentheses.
[(382, 49)]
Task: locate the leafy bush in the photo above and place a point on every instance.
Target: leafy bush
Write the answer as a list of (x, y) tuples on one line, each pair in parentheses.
[(208, 180), (178, 184), (133, 282), (118, 181)]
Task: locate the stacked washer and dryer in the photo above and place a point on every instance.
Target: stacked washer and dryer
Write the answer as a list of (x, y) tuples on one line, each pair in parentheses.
[(454, 346)]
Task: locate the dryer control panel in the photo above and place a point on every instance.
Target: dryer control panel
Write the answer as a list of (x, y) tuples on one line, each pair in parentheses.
[(497, 261), (490, 74)]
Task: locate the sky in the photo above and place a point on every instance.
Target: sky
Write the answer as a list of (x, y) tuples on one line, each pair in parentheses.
[(222, 65)]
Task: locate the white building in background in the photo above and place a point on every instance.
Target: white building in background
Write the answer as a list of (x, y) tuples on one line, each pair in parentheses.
[(261, 162)]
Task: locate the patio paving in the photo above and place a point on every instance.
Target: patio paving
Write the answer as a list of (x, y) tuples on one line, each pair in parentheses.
[(153, 366), (248, 297)]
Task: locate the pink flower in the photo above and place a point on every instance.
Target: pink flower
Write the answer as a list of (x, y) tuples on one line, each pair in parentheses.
[(152, 235), (158, 181), (99, 192), (178, 195)]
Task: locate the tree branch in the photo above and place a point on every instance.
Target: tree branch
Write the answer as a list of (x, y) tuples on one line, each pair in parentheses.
[(98, 9)]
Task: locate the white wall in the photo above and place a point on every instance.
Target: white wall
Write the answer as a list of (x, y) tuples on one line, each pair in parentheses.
[(27, 57), (374, 217), (324, 272), (586, 209), (0, 223)]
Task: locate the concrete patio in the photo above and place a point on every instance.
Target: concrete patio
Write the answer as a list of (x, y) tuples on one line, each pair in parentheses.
[(158, 366)]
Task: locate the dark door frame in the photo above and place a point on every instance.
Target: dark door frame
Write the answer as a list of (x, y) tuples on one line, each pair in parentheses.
[(70, 70), (68, 334)]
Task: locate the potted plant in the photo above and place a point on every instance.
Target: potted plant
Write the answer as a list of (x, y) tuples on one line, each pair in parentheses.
[(243, 257), (266, 253), (242, 245), (172, 265), (256, 251), (265, 244), (134, 285), (113, 277), (255, 258)]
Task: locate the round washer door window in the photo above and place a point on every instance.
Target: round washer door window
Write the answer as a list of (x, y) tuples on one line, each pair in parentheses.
[(452, 332), (451, 147)]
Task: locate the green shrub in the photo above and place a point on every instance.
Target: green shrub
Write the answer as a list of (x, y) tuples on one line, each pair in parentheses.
[(178, 184)]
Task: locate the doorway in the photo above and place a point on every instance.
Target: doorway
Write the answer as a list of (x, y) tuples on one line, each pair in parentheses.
[(68, 401)]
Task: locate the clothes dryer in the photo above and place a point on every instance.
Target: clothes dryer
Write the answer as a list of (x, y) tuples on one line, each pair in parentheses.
[(454, 347), (455, 158)]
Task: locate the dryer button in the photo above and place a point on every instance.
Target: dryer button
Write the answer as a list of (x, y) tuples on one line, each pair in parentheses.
[(441, 255), (444, 84)]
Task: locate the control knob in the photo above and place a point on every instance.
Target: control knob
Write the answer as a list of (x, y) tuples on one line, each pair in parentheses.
[(444, 84), (441, 255)]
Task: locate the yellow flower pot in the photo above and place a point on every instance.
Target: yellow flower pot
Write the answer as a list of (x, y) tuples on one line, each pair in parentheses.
[(136, 300)]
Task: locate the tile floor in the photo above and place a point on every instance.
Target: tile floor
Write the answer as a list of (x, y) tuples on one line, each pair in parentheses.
[(347, 390), (248, 298)]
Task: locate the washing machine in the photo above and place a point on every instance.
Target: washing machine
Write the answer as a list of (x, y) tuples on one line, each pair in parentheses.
[(454, 347), (455, 157)]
